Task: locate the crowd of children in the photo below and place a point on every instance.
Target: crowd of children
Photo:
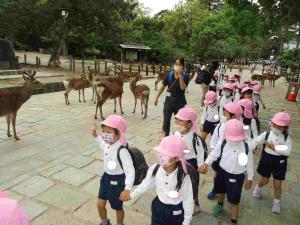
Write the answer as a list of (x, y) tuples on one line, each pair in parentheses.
[(231, 118)]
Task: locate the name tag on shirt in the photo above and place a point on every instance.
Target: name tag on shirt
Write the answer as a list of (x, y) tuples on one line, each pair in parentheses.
[(114, 183), (176, 213), (168, 94), (282, 161), (232, 180)]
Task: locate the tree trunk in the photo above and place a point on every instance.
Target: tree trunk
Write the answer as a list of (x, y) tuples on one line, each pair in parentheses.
[(54, 59)]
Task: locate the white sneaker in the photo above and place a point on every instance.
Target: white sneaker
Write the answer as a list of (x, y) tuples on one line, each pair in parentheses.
[(256, 193), (276, 208), (197, 209)]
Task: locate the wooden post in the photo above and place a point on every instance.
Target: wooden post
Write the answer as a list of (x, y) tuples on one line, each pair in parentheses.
[(98, 65), (139, 70), (82, 64), (71, 61), (25, 59), (105, 67), (37, 61), (74, 63), (40, 62), (130, 67), (147, 70), (153, 68), (170, 67), (95, 62)]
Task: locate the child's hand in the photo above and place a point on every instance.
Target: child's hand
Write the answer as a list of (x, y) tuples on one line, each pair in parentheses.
[(270, 146), (125, 196), (94, 130), (248, 184), (203, 169)]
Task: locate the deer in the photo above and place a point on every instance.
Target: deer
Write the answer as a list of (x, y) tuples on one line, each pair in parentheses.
[(141, 92), (12, 99), (161, 76), (75, 84), (272, 78), (111, 88)]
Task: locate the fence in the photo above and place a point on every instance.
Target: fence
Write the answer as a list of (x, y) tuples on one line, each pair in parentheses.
[(100, 66)]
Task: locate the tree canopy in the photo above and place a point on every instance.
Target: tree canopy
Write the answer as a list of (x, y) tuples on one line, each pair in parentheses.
[(203, 29)]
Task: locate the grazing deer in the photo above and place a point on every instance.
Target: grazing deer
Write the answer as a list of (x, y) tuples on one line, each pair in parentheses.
[(75, 84), (272, 78), (111, 88), (141, 92), (161, 76), (12, 99)]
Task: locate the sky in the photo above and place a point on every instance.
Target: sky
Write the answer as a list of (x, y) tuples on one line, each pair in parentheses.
[(158, 5)]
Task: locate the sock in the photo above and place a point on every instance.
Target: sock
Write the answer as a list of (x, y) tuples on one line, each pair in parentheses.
[(259, 188), (221, 203), (276, 200), (233, 221)]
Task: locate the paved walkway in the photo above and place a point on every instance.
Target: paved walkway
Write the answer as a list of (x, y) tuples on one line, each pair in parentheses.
[(54, 169)]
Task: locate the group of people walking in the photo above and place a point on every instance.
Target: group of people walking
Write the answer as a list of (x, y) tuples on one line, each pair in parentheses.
[(230, 117)]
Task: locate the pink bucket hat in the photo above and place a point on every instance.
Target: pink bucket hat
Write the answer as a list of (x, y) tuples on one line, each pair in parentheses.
[(246, 89), (241, 86), (234, 130), (248, 107), (282, 119), (255, 82), (234, 108), (187, 114), (210, 97), (173, 146), (228, 86), (256, 89), (119, 123)]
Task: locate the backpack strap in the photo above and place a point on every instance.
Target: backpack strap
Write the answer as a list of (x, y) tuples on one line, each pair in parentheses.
[(118, 156), (222, 147), (155, 170), (195, 142), (246, 147), (219, 127), (266, 138)]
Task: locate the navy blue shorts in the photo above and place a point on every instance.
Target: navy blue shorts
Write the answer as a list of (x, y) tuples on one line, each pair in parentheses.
[(230, 184), (272, 164), (163, 214), (209, 127), (111, 187), (196, 178)]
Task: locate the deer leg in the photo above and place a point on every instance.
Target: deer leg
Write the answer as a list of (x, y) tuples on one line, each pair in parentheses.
[(120, 103), (115, 105), (142, 102), (93, 93), (135, 101), (8, 125), (79, 95), (67, 96), (14, 116), (83, 95), (155, 85), (97, 105), (100, 107), (146, 107)]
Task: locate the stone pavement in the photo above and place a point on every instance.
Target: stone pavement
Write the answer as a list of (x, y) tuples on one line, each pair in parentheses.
[(54, 169)]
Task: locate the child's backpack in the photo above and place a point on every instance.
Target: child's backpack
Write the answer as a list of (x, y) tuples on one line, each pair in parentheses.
[(222, 148), (139, 163), (267, 136), (181, 175), (196, 143)]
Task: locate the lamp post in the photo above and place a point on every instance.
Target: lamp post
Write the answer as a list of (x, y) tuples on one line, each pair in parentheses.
[(64, 14)]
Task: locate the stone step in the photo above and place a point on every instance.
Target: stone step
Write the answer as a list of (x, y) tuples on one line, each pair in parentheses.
[(9, 72)]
